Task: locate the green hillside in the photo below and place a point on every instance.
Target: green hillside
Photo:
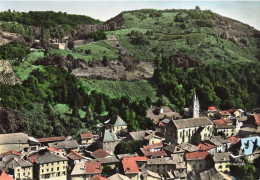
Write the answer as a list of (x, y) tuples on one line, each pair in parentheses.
[(191, 32)]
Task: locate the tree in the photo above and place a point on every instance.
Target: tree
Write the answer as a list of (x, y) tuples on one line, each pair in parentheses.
[(71, 45), (243, 172), (197, 8)]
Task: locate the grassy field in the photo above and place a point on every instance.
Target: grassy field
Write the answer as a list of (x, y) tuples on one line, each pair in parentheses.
[(135, 90), (98, 50), (24, 68)]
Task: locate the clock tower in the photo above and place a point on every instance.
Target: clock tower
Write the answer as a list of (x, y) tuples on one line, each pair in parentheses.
[(196, 106)]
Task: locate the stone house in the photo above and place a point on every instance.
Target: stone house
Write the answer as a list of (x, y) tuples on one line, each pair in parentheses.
[(133, 166), (86, 138), (65, 146), (85, 170), (222, 161), (117, 124), (197, 161), (222, 144), (19, 168), (49, 166)]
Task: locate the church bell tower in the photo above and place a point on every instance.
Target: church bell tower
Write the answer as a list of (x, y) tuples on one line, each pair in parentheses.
[(196, 106)]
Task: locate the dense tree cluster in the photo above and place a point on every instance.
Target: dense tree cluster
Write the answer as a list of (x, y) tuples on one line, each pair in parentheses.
[(223, 85), (57, 86), (98, 35), (128, 147), (48, 23), (13, 50), (138, 38)]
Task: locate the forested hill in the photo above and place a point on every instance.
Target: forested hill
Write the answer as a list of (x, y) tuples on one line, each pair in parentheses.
[(48, 23)]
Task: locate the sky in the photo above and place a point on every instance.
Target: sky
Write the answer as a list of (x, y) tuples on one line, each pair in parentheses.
[(245, 11)]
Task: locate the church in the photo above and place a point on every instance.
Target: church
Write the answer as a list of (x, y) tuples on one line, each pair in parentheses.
[(190, 130)]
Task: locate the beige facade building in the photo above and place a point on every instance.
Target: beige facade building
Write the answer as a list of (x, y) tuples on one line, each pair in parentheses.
[(14, 141), (117, 124), (22, 169), (49, 166), (196, 161), (86, 138), (189, 130), (222, 161)]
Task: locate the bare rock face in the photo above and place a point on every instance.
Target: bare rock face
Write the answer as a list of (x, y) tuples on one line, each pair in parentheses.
[(233, 30), (12, 121)]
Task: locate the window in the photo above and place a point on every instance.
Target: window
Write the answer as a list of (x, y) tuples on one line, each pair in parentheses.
[(51, 169), (58, 168), (18, 174), (18, 170), (42, 170), (200, 165), (28, 173), (24, 174), (58, 174), (220, 166), (180, 134), (63, 162), (187, 133), (47, 169), (227, 166)]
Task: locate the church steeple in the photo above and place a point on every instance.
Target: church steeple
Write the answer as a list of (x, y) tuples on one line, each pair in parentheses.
[(196, 106)]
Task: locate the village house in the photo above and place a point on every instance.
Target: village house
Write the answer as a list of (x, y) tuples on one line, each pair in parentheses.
[(100, 153), (213, 174), (18, 142), (160, 127), (224, 115), (19, 168), (86, 138), (161, 165), (49, 166), (111, 161), (86, 170), (75, 157), (212, 111), (188, 130), (222, 144), (222, 161), (207, 147), (248, 147), (239, 113), (65, 146), (9, 155), (117, 124), (225, 126), (180, 149), (197, 161), (97, 177), (154, 150), (253, 121), (118, 176), (133, 166), (58, 45), (45, 141), (149, 136), (149, 175), (4, 176), (240, 122), (109, 141)]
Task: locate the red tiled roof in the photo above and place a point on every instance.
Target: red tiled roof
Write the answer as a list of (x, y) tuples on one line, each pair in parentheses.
[(146, 152), (220, 122), (47, 139), (160, 124), (206, 146), (97, 177), (224, 113), (53, 149), (196, 155), (130, 165), (212, 108), (100, 153), (93, 167), (4, 176), (155, 145), (86, 136), (234, 139), (33, 157), (232, 110), (257, 118), (75, 155), (11, 152)]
